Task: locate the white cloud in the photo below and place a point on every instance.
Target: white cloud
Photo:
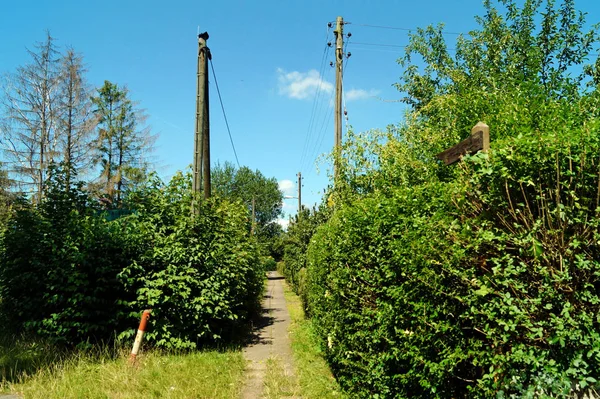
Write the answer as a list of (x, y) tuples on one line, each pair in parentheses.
[(288, 187), (360, 94), (301, 85), (284, 223)]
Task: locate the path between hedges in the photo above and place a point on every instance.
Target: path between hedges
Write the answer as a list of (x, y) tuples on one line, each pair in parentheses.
[(270, 338)]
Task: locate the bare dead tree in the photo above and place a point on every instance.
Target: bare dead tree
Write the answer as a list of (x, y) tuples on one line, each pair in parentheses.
[(30, 105)]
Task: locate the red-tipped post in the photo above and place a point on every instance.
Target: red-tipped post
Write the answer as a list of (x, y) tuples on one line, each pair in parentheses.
[(140, 335)]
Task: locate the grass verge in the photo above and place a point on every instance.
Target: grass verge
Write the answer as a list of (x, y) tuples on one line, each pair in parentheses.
[(314, 378), (156, 375), (279, 384)]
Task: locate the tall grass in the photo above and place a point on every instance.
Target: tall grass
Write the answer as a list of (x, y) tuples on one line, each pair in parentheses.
[(39, 372), (313, 374)]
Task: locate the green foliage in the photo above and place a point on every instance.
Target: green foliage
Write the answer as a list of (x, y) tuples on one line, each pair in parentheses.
[(247, 185), (534, 222), (69, 275), (202, 276), (296, 242), (380, 287), (244, 184), (59, 266), (483, 287), (481, 279)]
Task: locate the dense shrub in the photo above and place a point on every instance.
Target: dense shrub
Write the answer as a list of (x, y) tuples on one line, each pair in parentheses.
[(483, 287), (59, 266), (202, 276), (385, 305), (69, 275), (296, 241), (533, 212)]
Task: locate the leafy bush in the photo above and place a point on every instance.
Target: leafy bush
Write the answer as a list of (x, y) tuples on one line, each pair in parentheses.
[(296, 241), (484, 287), (269, 263), (59, 266), (533, 209), (477, 280), (382, 297), (202, 276), (69, 275)]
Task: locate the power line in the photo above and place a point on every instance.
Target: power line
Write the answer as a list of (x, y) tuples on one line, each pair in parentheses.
[(390, 45), (312, 135), (404, 29), (380, 45), (224, 114), (321, 132), (314, 106)]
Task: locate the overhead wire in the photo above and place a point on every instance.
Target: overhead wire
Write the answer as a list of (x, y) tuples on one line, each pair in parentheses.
[(315, 107), (327, 120), (403, 29), (344, 69), (224, 114)]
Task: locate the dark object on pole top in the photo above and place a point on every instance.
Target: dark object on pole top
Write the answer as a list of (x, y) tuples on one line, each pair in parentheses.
[(203, 35)]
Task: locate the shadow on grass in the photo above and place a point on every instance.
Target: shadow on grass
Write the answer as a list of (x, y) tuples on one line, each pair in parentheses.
[(21, 356)]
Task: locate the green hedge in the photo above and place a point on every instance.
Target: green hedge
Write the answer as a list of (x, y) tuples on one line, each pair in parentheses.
[(482, 287), (202, 276), (296, 242), (69, 275), (375, 273), (58, 269)]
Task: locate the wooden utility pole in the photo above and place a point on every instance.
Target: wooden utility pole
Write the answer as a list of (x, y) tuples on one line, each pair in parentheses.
[(202, 132), (339, 64), (299, 193)]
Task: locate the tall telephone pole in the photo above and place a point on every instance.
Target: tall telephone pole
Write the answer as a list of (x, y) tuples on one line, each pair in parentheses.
[(253, 225), (339, 63), (299, 193), (202, 132)]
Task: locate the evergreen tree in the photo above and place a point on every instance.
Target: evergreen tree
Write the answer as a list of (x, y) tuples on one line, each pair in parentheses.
[(122, 146), (75, 119)]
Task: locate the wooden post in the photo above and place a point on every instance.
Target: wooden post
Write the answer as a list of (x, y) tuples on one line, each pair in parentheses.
[(478, 141), (201, 108), (206, 144), (140, 335), (485, 132), (339, 64)]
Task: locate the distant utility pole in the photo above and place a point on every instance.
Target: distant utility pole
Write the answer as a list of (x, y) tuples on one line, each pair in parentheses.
[(253, 227), (202, 133), (299, 193), (339, 64)]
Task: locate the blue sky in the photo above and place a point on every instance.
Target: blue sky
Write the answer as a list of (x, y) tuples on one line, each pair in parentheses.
[(267, 57)]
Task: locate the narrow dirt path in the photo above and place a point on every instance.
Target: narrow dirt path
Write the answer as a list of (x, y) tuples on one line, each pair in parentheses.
[(269, 339)]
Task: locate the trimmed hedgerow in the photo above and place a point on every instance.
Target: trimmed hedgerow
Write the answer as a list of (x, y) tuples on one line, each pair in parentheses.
[(483, 287), (386, 305)]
